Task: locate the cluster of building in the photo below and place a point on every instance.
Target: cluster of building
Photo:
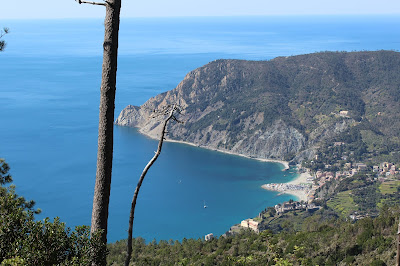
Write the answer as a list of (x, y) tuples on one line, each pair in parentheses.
[(280, 208), (250, 223), (350, 169), (323, 177), (295, 205), (385, 169)]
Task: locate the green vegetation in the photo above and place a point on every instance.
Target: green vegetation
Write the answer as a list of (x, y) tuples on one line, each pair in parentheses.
[(346, 105), (342, 203), (390, 191), (357, 145), (389, 187), (321, 239), (307, 92), (338, 113), (24, 241)]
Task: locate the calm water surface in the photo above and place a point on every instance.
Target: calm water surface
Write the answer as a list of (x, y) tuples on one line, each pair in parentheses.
[(49, 97)]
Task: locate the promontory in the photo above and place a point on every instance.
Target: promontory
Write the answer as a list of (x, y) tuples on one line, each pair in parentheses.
[(283, 108)]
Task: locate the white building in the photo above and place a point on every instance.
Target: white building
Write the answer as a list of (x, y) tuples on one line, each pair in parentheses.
[(209, 236)]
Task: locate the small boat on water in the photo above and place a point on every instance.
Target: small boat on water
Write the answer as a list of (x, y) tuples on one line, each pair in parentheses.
[(205, 206)]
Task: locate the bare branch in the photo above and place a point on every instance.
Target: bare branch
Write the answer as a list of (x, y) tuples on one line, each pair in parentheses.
[(3, 32), (91, 3), (166, 110)]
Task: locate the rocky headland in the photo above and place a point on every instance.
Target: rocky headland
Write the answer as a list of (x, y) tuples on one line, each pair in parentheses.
[(280, 109)]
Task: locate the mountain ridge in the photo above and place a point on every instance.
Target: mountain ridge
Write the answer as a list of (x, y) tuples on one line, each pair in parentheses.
[(283, 108)]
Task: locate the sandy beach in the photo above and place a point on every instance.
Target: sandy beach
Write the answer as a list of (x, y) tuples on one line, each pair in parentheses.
[(300, 179), (286, 188), (300, 194)]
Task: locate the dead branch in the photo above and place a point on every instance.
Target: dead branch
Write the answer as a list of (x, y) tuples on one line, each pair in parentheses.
[(169, 110), (166, 110), (3, 32), (91, 3)]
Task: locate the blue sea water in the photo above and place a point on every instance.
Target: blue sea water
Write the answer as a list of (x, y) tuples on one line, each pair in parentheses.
[(49, 96)]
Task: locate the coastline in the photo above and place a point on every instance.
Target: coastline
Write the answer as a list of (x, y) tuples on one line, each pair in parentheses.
[(297, 187), (284, 163), (300, 181), (300, 194)]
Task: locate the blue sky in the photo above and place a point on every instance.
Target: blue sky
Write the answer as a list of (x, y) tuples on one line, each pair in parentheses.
[(174, 8)]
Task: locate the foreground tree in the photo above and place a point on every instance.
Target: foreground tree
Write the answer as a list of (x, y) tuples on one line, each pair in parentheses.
[(167, 113), (24, 241), (106, 123), (398, 246)]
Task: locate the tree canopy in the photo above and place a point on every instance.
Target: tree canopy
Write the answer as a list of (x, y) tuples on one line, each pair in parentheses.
[(26, 241)]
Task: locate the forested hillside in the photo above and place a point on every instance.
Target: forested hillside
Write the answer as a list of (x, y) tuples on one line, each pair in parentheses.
[(285, 107), (319, 239)]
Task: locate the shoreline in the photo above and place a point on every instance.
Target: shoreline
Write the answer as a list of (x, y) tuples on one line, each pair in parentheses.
[(300, 194), (300, 179), (284, 163), (293, 187)]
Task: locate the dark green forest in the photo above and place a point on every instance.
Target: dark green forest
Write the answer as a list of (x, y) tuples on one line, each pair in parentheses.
[(319, 239), (27, 241), (297, 238)]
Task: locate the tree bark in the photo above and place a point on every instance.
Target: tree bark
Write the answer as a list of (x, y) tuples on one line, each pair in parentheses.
[(106, 127), (398, 246)]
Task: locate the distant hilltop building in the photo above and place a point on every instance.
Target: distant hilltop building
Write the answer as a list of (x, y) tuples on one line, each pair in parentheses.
[(344, 113)]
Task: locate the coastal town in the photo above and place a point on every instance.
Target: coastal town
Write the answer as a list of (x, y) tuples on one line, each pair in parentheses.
[(305, 188)]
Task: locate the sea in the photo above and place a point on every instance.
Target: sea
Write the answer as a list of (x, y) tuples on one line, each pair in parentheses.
[(50, 75)]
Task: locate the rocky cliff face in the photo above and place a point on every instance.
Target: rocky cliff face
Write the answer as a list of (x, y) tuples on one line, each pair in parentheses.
[(275, 141), (282, 108)]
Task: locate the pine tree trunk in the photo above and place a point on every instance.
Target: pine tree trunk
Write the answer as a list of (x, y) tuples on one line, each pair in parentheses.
[(106, 124)]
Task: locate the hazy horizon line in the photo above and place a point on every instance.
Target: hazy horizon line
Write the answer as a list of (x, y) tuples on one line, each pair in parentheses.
[(220, 16)]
